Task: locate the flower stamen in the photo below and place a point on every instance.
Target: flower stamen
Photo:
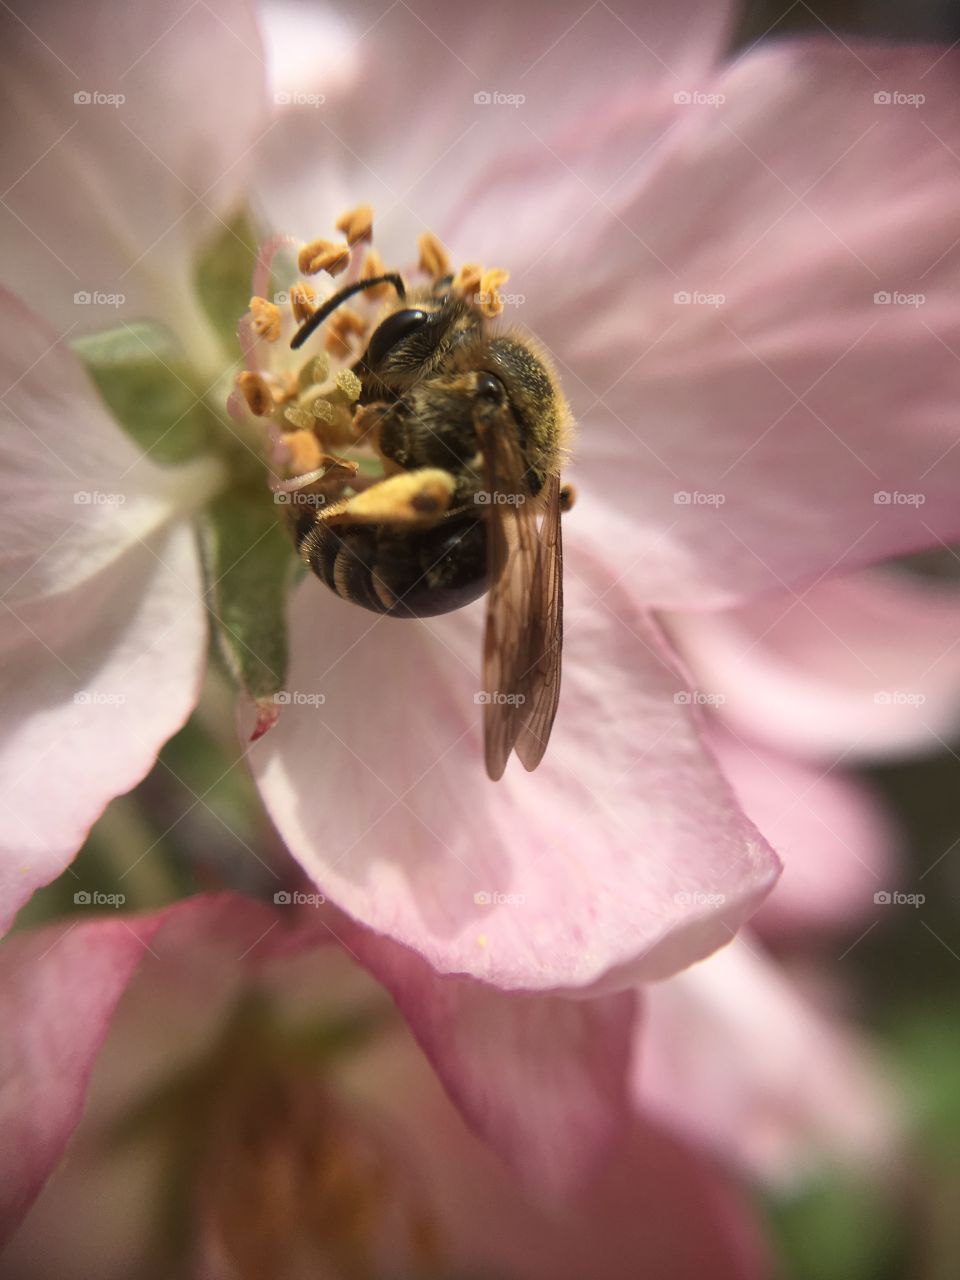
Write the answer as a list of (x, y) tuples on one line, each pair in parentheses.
[(434, 259), (323, 255), (356, 224), (302, 298), (313, 409), (266, 318)]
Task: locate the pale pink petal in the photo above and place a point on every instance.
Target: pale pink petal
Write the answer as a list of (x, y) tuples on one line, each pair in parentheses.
[(832, 835), (731, 1055), (780, 424), (625, 850), (75, 492), (654, 1205), (94, 681), (430, 63), (656, 1209), (861, 667), (113, 198), (59, 990), (542, 1079)]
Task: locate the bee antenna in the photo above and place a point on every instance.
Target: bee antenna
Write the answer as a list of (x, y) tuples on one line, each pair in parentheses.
[(331, 304)]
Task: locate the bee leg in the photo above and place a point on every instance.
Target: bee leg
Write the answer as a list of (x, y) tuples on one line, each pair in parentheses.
[(568, 496), (409, 498)]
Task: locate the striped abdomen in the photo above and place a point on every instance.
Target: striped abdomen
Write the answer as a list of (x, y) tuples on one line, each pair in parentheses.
[(408, 573)]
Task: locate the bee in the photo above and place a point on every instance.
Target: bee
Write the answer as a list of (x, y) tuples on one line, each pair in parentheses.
[(471, 428)]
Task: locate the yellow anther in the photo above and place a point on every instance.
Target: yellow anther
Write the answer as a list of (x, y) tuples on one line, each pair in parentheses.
[(322, 410), (298, 417), (357, 224), (373, 266), (434, 259), (266, 318), (256, 391), (302, 298), (304, 451), (491, 300), (323, 255), (349, 384), (467, 280), (320, 368)]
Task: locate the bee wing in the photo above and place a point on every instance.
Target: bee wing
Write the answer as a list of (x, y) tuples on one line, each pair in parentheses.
[(524, 625), (546, 635)]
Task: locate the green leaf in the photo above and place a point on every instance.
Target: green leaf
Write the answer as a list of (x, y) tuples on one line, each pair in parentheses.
[(150, 389), (838, 1228), (250, 567), (223, 276)]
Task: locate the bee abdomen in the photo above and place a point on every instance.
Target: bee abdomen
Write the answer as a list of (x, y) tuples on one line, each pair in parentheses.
[(402, 572)]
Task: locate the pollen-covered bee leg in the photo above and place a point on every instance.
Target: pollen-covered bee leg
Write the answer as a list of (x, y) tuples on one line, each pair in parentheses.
[(568, 496), (410, 497), (346, 544)]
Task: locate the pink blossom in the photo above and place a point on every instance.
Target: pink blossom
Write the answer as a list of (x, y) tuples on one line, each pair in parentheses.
[(796, 399), (699, 247), (130, 1010), (103, 629)]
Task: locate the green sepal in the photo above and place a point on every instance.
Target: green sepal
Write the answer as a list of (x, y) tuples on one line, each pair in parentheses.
[(250, 566), (223, 275), (151, 390)]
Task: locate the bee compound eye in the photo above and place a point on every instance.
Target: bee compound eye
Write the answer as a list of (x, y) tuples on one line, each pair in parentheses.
[(394, 329), (490, 388)]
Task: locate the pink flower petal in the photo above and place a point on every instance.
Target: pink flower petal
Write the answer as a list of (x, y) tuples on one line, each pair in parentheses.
[(730, 1054), (654, 1203), (779, 425), (113, 198), (542, 1079), (94, 681), (75, 492), (531, 64), (625, 850), (657, 1208), (59, 990), (859, 667), (835, 841)]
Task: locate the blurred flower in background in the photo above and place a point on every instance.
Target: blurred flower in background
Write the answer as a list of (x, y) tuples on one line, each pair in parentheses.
[(744, 273)]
